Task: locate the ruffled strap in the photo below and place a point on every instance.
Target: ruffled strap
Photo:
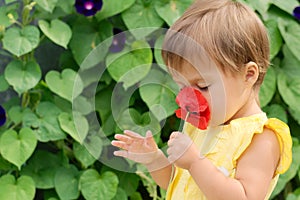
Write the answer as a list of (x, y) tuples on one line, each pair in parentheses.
[(283, 136), (282, 132)]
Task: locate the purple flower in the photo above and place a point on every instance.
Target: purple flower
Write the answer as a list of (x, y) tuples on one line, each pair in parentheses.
[(296, 12), (88, 7), (2, 116), (118, 41)]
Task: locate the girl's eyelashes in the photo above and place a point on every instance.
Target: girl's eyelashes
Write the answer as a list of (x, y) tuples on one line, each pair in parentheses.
[(203, 89)]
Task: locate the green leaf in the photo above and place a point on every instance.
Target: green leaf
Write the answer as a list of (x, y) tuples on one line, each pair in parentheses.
[(171, 10), (131, 66), (83, 105), (66, 5), (276, 111), (268, 87), (94, 186), (142, 15), (292, 171), (3, 84), (290, 33), (94, 144), (113, 7), (274, 37), (159, 91), (79, 131), (87, 36), (290, 64), (66, 182), (4, 11), (12, 189), (121, 195), (157, 52), (17, 148), (83, 155), (64, 84), (130, 119), (21, 41), (129, 182), (45, 122), (102, 100), (47, 5), (42, 167), (287, 6), (289, 89), (260, 6), (22, 76), (57, 31)]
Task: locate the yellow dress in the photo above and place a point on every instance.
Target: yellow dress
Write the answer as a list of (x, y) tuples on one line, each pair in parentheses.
[(225, 147)]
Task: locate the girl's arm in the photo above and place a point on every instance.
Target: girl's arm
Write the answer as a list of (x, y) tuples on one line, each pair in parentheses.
[(254, 172), (161, 170), (144, 150)]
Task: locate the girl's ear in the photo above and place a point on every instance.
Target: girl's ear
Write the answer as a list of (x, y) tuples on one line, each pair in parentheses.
[(251, 73)]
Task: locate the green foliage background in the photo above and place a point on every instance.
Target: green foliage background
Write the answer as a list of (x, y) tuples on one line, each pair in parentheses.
[(43, 46)]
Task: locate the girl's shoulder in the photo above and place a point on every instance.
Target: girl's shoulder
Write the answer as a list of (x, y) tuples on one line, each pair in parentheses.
[(246, 128)]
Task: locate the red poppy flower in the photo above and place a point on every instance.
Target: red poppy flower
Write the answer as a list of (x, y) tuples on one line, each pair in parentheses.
[(193, 107)]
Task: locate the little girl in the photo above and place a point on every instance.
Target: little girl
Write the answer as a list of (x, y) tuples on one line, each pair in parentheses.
[(219, 47)]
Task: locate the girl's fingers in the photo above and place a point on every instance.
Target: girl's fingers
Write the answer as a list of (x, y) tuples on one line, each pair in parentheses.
[(133, 134), (123, 138), (119, 144), (121, 153)]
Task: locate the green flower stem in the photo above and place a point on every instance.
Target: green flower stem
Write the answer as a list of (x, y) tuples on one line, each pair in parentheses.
[(25, 99), (183, 124)]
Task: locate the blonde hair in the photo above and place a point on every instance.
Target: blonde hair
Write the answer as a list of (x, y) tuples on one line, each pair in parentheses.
[(229, 32)]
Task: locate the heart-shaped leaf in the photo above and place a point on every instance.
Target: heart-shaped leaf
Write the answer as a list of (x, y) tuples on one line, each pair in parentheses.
[(277, 111), (66, 182), (113, 7), (47, 5), (268, 88), (77, 132), (17, 148), (125, 66), (21, 41), (98, 187), (287, 6), (158, 90), (275, 37), (290, 64), (289, 89), (3, 84), (157, 52), (87, 36), (290, 33), (142, 15), (57, 31), (102, 99), (133, 120), (16, 113), (42, 167), (45, 122), (121, 195), (22, 76), (171, 10), (12, 189), (64, 84), (4, 11), (83, 155)]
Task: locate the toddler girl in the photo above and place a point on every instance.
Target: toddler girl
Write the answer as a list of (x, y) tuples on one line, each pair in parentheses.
[(219, 47)]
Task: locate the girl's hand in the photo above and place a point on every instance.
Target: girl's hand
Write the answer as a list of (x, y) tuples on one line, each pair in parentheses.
[(135, 147), (182, 151)]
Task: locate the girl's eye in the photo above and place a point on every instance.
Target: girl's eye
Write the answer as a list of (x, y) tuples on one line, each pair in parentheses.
[(203, 89)]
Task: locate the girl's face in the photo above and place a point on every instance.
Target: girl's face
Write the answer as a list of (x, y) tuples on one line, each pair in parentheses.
[(227, 95)]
